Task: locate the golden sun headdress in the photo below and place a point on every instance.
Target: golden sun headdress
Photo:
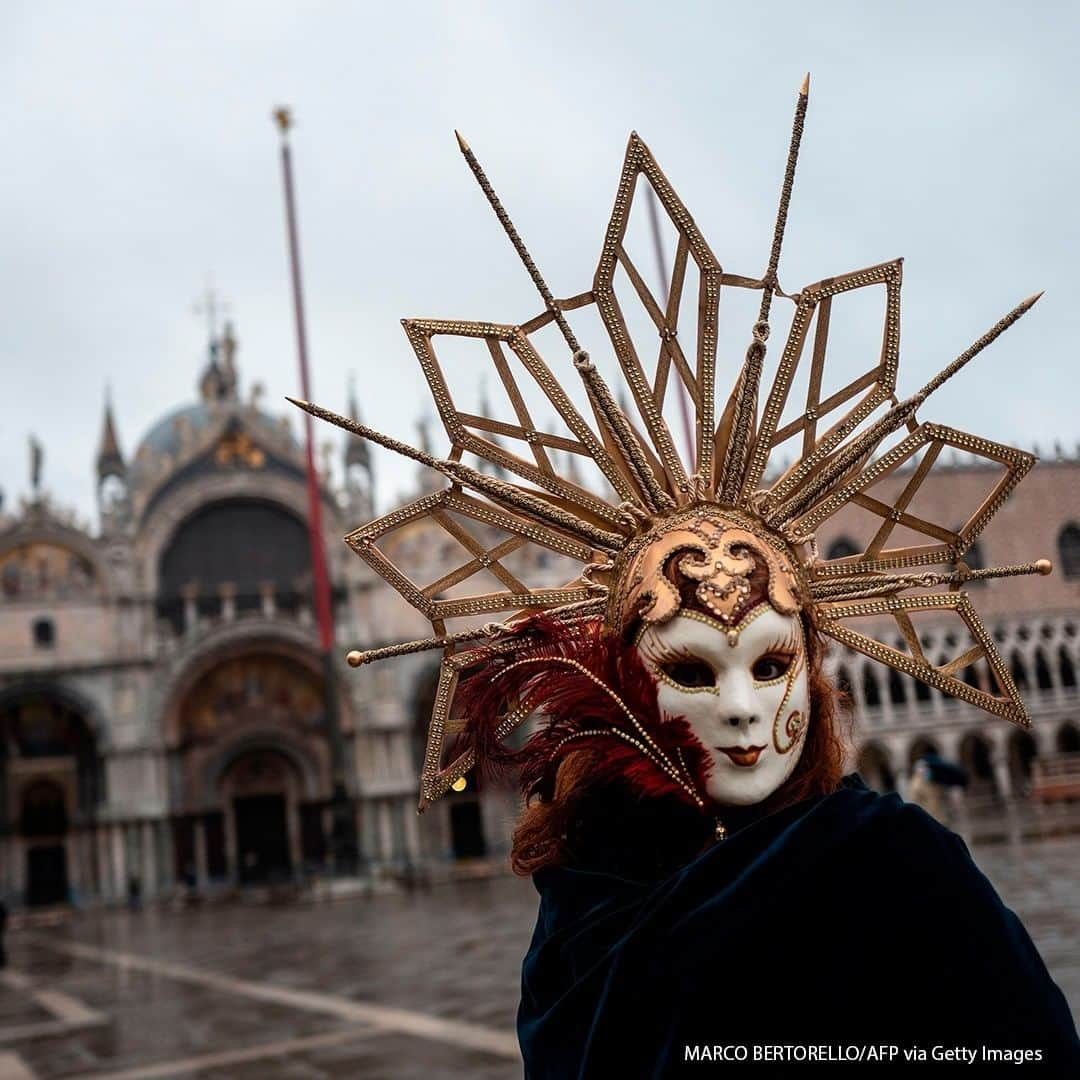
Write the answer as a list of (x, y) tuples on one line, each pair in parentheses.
[(719, 509)]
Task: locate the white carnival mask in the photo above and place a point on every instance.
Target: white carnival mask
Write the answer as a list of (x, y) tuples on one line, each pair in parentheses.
[(743, 692)]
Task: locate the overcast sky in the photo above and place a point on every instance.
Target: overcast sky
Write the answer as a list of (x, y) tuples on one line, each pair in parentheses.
[(140, 158)]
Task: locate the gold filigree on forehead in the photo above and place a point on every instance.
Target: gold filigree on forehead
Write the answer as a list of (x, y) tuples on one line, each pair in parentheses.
[(652, 524), (718, 558)]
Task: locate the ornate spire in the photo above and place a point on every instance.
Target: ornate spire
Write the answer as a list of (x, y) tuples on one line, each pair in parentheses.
[(228, 346), (211, 381), (218, 379), (110, 461)]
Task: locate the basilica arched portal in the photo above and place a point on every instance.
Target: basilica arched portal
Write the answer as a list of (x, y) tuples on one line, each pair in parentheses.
[(50, 787), (249, 767)]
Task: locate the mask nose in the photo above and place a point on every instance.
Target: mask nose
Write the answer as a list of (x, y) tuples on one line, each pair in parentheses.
[(742, 721), (738, 706)]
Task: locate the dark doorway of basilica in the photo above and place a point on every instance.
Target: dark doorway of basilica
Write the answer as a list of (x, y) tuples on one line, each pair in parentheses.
[(262, 789), (467, 840), (43, 824), (262, 839), (467, 829), (50, 787), (252, 744), (467, 822), (46, 875)]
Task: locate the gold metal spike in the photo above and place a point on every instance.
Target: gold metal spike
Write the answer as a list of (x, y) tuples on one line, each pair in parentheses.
[(603, 401), (744, 402), (867, 586)]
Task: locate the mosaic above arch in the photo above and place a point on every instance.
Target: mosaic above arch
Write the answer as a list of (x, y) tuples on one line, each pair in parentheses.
[(45, 570)]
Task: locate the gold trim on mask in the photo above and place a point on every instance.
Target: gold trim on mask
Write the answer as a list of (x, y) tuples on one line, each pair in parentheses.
[(796, 723)]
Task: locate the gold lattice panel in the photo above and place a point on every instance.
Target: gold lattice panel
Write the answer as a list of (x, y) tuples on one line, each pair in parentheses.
[(988, 685), (943, 542), (481, 561), (824, 421), (683, 363), (520, 373)]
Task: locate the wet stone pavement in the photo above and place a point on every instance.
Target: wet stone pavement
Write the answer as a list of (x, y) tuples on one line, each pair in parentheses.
[(421, 984)]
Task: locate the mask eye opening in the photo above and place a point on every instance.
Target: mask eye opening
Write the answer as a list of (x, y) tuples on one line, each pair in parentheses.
[(773, 665), (691, 673)]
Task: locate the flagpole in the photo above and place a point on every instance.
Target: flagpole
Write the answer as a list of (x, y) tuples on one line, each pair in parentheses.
[(343, 839)]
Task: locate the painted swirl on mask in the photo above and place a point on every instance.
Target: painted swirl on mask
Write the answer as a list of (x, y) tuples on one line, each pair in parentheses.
[(795, 722)]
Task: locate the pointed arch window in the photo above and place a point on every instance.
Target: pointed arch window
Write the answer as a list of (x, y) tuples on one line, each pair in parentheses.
[(1043, 678), (1018, 672), (974, 559), (1066, 668), (871, 693), (897, 693), (1069, 550)]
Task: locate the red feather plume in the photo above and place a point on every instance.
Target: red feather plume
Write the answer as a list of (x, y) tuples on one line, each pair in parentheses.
[(530, 667)]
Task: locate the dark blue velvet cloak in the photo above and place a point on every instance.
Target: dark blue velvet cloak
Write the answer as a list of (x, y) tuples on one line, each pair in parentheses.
[(848, 919)]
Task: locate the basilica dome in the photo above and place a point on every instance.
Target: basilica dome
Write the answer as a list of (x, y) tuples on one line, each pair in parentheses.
[(168, 434)]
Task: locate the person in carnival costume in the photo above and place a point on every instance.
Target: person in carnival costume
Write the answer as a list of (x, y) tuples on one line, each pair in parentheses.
[(712, 885)]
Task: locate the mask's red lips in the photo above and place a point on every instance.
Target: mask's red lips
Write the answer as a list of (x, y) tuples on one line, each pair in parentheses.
[(742, 755)]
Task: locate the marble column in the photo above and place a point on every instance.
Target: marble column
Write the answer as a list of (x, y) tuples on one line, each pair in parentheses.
[(104, 862), (74, 850), (168, 856), (6, 857), (120, 875), (266, 595), (189, 594), (202, 875), (18, 865), (386, 830), (412, 834), (149, 861), (227, 594), (232, 860), (292, 818), (1001, 774)]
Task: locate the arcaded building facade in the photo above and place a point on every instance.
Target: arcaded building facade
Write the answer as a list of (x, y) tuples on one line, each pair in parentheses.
[(161, 687), (1035, 622)]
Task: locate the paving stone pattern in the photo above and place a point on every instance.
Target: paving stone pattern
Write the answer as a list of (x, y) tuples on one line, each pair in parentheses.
[(453, 952)]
